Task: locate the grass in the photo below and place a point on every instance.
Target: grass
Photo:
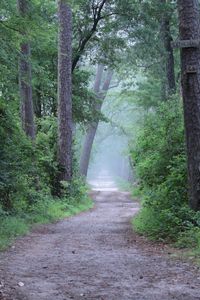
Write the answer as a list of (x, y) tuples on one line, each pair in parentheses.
[(10, 228), (126, 186), (136, 192), (45, 212), (164, 226), (189, 242), (184, 245), (122, 184)]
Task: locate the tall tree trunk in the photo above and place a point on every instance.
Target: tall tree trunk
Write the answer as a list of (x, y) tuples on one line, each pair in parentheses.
[(91, 132), (25, 78), (189, 27), (170, 82), (65, 91)]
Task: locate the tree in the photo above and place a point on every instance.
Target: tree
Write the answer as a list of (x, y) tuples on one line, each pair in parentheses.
[(169, 82), (65, 91), (96, 11), (189, 27), (25, 76), (151, 34), (92, 128)]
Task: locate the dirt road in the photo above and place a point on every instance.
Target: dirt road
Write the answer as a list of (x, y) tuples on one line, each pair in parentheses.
[(94, 255)]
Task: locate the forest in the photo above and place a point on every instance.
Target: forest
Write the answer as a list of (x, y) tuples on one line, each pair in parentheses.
[(93, 87)]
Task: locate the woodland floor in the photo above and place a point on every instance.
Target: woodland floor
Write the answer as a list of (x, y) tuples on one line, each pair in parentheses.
[(95, 255)]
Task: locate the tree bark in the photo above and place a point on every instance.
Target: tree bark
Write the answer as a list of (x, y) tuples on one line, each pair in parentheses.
[(170, 82), (25, 78), (92, 129), (189, 27), (65, 92), (90, 133)]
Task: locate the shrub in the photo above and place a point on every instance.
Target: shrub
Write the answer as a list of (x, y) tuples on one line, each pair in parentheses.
[(28, 178), (160, 160), (16, 161)]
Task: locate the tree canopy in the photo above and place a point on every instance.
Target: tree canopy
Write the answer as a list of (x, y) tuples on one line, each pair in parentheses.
[(74, 73)]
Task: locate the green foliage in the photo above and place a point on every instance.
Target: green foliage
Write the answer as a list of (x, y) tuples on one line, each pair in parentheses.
[(83, 98), (136, 192), (189, 239), (42, 212), (160, 161), (28, 178), (147, 94), (16, 160), (10, 228), (156, 225), (75, 191), (160, 143), (46, 151)]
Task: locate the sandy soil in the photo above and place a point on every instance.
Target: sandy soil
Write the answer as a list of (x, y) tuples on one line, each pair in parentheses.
[(95, 255)]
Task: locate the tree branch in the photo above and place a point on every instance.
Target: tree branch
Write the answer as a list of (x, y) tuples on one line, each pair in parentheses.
[(97, 17), (9, 27), (115, 85)]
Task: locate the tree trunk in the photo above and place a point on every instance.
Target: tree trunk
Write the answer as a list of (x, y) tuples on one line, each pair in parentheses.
[(65, 91), (90, 134), (189, 27), (92, 129), (170, 82), (25, 78)]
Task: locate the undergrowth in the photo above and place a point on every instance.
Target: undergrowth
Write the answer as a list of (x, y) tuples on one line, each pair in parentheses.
[(29, 178), (160, 161), (48, 211)]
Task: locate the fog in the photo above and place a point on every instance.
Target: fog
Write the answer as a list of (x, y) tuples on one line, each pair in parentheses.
[(109, 164)]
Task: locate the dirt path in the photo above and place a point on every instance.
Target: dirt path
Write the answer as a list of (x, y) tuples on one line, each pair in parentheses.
[(94, 255)]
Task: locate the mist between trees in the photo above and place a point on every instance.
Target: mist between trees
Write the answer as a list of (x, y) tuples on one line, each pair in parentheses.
[(98, 87)]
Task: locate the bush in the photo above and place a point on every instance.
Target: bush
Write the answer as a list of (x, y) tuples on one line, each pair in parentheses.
[(42, 212), (16, 161), (28, 178), (46, 151), (160, 161), (189, 239), (160, 140), (157, 225)]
